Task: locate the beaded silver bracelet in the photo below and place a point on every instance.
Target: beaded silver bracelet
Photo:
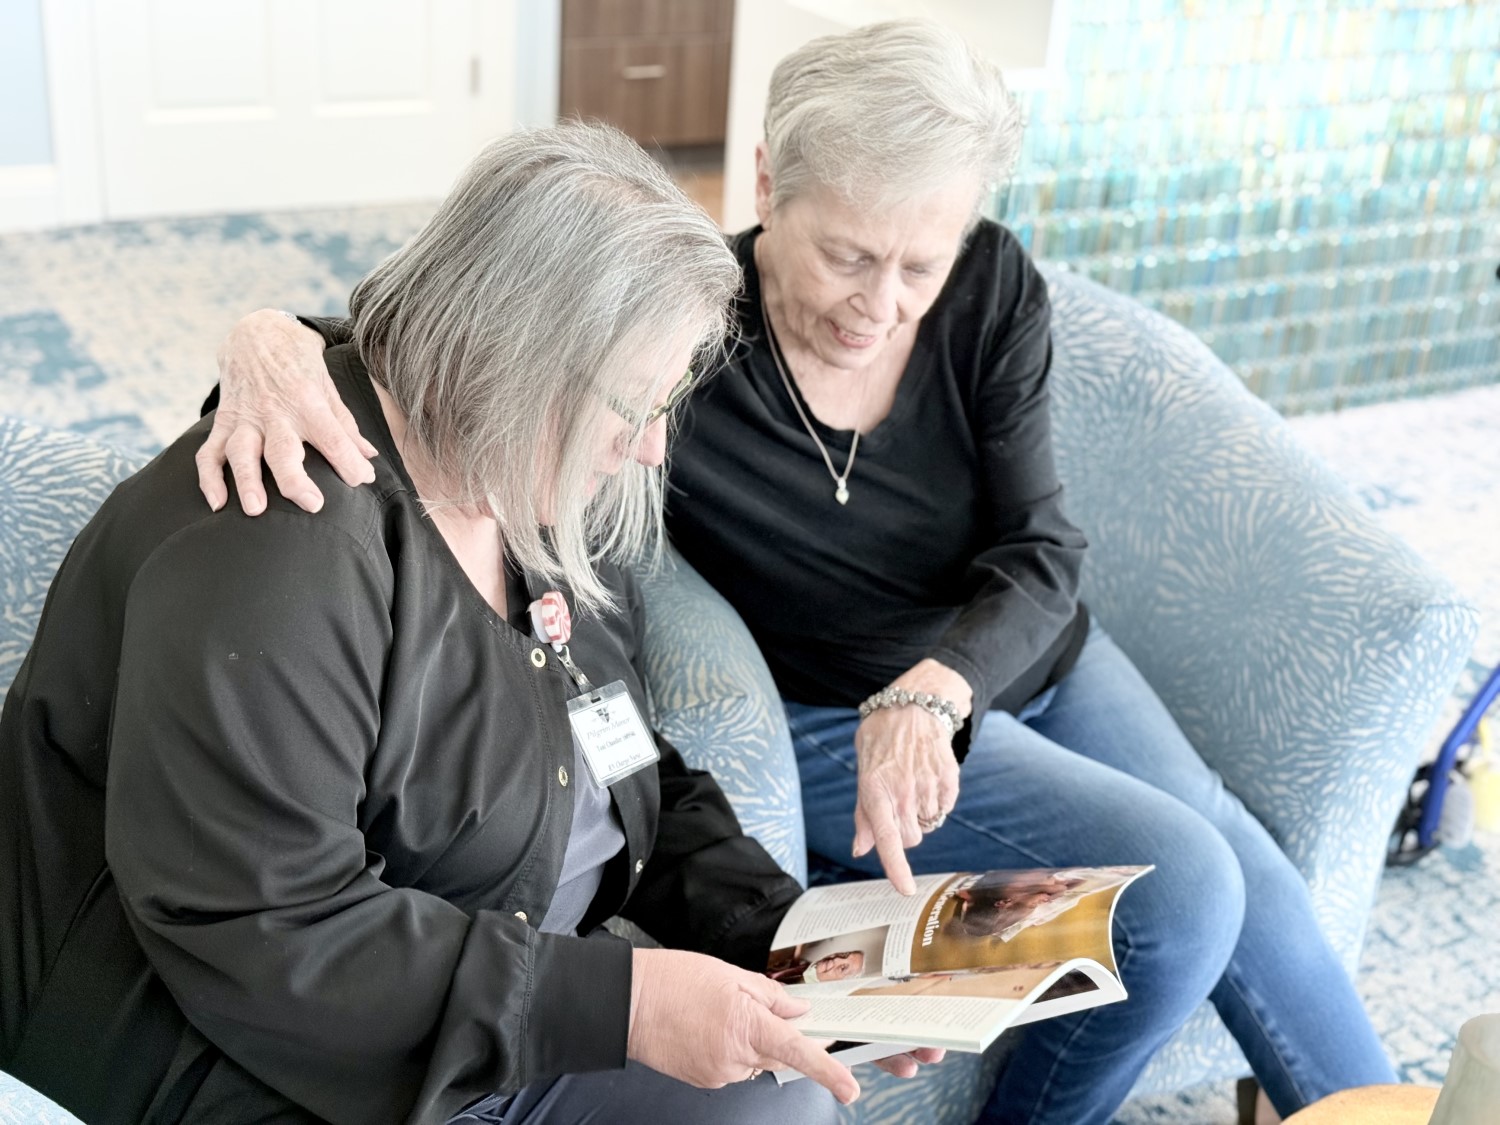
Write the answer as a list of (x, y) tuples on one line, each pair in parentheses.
[(945, 710)]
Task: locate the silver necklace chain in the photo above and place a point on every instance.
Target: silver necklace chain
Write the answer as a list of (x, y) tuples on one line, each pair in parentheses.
[(841, 483)]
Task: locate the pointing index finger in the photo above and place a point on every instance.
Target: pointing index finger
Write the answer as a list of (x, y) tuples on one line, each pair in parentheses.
[(888, 843), (893, 857)]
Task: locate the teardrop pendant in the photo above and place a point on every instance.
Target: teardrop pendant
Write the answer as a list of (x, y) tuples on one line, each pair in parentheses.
[(841, 494)]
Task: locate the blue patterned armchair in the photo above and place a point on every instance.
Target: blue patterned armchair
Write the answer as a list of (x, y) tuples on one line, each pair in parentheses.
[(1304, 651)]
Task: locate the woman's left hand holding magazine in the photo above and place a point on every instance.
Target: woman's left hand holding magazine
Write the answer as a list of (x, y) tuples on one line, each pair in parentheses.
[(906, 1064)]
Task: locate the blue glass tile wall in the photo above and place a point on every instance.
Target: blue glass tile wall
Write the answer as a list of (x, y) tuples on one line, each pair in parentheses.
[(1313, 186)]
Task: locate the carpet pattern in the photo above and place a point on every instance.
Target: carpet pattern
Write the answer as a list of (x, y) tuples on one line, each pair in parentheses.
[(111, 331)]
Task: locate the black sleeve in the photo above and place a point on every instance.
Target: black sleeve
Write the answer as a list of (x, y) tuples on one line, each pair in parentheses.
[(248, 708), (1026, 580), (707, 886), (334, 330)]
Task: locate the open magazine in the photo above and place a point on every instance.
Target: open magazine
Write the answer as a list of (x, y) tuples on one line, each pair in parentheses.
[(953, 965)]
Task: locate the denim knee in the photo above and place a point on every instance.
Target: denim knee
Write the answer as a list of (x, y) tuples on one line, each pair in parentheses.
[(1176, 928)]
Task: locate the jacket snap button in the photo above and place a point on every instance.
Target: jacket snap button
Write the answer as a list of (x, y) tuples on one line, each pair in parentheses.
[(521, 914), (538, 658), (562, 776), (639, 865)]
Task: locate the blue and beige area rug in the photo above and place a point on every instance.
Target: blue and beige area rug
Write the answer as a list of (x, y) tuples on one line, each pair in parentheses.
[(112, 330)]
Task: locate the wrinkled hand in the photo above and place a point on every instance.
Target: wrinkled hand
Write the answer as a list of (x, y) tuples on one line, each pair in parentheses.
[(274, 394), (705, 1022), (907, 1064), (907, 773)]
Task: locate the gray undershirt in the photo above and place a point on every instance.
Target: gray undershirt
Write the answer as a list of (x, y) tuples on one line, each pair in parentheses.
[(595, 839)]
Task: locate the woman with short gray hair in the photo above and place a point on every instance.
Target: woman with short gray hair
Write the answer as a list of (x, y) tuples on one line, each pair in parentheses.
[(357, 790), (870, 482)]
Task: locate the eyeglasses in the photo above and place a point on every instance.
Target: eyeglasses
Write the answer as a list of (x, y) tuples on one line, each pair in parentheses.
[(678, 393)]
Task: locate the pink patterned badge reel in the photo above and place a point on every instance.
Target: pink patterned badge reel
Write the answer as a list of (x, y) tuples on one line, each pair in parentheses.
[(550, 619), (607, 726)]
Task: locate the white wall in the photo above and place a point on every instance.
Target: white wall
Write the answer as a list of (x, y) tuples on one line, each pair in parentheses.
[(25, 126), (1025, 37)]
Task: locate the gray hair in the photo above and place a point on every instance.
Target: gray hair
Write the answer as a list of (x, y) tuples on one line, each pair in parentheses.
[(887, 111), (560, 272)]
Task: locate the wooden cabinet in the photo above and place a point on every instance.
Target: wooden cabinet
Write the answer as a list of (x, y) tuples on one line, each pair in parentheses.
[(657, 69)]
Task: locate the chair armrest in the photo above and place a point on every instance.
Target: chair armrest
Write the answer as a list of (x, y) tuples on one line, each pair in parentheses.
[(51, 484), (714, 700), (1304, 650), (20, 1104)]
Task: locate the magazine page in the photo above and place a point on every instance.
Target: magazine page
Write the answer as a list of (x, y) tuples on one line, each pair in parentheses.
[(959, 1011), (953, 922), (954, 964), (868, 911), (1021, 918)]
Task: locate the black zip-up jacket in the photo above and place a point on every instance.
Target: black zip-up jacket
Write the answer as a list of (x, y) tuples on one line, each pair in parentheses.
[(282, 802)]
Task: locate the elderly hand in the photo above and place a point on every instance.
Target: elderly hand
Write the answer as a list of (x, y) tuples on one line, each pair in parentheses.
[(908, 776), (274, 394), (705, 1022)]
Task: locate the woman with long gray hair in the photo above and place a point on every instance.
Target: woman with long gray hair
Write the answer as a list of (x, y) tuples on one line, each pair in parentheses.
[(318, 818), (870, 482)]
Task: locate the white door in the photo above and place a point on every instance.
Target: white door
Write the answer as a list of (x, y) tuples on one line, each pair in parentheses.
[(224, 105)]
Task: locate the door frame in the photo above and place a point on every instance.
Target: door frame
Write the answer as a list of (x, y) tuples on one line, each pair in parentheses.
[(70, 189), (515, 50)]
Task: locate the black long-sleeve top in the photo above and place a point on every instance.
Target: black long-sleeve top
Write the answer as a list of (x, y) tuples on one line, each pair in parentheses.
[(283, 801), (954, 544)]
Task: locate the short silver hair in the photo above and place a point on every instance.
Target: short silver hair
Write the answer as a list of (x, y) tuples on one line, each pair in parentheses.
[(886, 112), (558, 275)]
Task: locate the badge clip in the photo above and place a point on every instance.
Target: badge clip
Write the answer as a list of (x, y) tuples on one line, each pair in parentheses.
[(553, 623)]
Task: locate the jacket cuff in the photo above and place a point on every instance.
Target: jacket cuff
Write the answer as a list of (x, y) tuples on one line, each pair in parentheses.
[(578, 1018), (968, 730), (979, 683)]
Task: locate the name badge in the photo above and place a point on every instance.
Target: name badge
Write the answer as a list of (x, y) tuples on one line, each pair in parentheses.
[(611, 733)]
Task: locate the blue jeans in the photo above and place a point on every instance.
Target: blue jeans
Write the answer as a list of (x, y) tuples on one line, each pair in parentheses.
[(1092, 772)]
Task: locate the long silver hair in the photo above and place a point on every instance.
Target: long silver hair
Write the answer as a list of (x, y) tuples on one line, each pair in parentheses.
[(559, 275), (886, 112)]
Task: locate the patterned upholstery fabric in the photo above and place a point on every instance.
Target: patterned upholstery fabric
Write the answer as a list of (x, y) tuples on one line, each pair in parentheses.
[(51, 482), (1304, 651), (715, 701), (21, 1105)]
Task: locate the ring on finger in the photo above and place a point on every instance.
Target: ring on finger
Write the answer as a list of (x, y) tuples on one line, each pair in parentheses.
[(755, 1072), (931, 823)]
